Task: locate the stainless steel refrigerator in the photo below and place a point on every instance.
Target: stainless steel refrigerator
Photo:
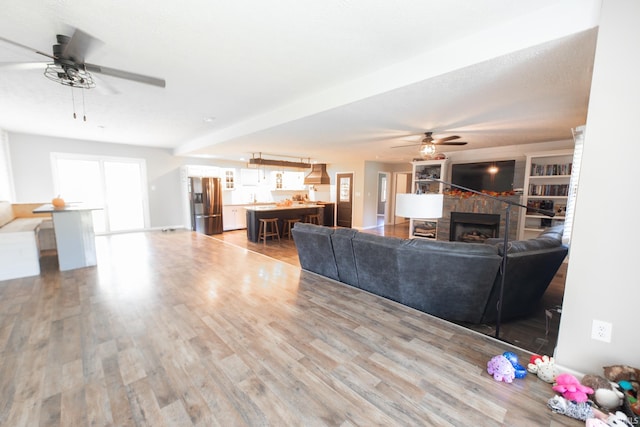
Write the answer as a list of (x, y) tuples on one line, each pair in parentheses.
[(205, 196)]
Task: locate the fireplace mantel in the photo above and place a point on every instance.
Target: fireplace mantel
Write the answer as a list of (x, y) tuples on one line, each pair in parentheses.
[(478, 204)]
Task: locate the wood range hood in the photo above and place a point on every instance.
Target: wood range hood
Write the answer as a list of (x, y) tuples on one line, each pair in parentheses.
[(318, 175)]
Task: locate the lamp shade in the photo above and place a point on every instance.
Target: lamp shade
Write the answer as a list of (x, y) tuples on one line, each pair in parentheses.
[(427, 206)]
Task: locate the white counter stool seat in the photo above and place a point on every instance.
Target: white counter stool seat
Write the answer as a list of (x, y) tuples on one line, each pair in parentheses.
[(268, 228)]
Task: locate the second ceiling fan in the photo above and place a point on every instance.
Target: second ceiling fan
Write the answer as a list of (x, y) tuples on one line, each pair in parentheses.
[(428, 144)]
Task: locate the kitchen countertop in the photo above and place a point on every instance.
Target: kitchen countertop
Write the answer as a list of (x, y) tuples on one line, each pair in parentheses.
[(274, 207)]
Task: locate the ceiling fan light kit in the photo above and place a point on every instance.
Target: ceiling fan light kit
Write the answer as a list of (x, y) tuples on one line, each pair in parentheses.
[(428, 145), (70, 76), (427, 150)]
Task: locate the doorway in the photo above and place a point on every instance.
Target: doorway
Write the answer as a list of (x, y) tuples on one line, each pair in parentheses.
[(383, 203), (117, 185), (344, 199), (402, 186)]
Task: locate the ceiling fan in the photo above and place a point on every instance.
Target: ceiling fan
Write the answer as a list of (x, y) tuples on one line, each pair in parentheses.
[(428, 144), (68, 67)]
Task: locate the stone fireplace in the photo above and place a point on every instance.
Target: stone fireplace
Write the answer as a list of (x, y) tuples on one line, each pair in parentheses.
[(476, 204)]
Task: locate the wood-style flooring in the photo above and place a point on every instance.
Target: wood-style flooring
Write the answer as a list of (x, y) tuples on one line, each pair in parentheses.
[(537, 333), (180, 329)]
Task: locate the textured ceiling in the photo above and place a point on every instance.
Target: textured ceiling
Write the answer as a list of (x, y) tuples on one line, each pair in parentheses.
[(326, 80)]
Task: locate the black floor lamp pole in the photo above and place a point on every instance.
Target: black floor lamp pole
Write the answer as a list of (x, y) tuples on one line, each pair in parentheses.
[(507, 219)]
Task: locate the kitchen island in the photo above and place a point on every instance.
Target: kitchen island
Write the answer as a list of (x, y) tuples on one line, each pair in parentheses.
[(296, 210), (75, 239)]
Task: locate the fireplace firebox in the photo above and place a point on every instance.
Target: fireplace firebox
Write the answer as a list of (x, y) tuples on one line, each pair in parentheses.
[(473, 227)]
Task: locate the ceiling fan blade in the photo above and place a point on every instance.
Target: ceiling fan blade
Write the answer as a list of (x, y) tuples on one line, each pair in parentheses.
[(154, 81), (409, 145), (27, 48), (22, 65), (451, 143), (78, 46), (445, 139)]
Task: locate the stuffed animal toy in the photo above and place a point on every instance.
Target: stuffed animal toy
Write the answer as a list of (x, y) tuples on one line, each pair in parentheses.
[(617, 373), (612, 420), (606, 394), (580, 411), (501, 369), (544, 367), (619, 419), (571, 389), (520, 371)]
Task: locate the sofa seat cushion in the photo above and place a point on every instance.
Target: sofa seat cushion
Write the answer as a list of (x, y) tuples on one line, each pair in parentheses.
[(6, 213), (21, 225)]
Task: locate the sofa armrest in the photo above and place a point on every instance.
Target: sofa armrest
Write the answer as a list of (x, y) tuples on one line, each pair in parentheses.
[(315, 251)]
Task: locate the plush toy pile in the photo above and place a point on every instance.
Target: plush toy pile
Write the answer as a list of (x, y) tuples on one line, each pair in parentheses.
[(609, 400), (604, 400)]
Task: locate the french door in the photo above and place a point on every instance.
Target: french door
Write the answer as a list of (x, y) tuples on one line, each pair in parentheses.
[(117, 185)]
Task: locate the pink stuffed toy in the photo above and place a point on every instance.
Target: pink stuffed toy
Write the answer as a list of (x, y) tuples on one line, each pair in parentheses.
[(501, 369), (571, 389)]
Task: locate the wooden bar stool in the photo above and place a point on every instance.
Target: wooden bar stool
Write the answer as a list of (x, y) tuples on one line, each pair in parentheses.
[(312, 218), (268, 228), (288, 225)]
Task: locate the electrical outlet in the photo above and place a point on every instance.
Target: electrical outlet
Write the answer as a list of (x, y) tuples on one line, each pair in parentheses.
[(601, 331)]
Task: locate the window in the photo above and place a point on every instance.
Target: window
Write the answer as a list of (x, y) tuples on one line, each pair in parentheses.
[(118, 185), (5, 169), (578, 136)]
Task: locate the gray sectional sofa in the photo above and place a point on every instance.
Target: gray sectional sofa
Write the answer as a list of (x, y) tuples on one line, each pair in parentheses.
[(452, 280)]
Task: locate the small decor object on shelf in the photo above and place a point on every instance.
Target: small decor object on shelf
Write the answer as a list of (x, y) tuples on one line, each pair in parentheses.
[(58, 202)]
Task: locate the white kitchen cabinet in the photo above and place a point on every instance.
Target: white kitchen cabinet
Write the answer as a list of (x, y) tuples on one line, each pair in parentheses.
[(234, 217)]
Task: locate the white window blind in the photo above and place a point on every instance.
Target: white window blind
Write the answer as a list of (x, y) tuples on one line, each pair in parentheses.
[(5, 168), (578, 136)]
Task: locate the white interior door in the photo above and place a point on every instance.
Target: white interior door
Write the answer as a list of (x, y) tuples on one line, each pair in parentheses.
[(403, 185)]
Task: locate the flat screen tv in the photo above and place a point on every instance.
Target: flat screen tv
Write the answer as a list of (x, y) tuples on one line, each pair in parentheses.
[(479, 176)]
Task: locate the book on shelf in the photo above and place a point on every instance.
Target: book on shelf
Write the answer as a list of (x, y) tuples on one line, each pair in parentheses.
[(548, 189), (551, 170)]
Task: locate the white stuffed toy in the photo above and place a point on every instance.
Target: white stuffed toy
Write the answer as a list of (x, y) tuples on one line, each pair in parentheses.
[(544, 367)]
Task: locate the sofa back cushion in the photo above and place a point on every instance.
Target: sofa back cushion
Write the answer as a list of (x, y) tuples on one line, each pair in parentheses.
[(554, 232), (451, 280), (377, 264), (315, 251), (519, 246), (343, 251), (528, 275), (6, 213)]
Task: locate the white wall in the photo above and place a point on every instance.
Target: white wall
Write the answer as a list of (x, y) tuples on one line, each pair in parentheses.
[(602, 277), (31, 167)]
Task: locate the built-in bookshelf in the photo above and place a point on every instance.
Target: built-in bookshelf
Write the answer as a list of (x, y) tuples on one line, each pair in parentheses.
[(546, 186), (422, 171)]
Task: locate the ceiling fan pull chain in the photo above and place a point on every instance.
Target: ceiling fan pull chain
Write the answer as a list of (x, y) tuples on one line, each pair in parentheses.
[(73, 103), (84, 111)]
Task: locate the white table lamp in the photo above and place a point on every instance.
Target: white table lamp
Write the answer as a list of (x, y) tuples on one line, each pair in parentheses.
[(427, 206)]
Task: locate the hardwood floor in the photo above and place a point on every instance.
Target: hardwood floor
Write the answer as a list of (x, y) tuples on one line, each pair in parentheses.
[(181, 329), (537, 333)]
